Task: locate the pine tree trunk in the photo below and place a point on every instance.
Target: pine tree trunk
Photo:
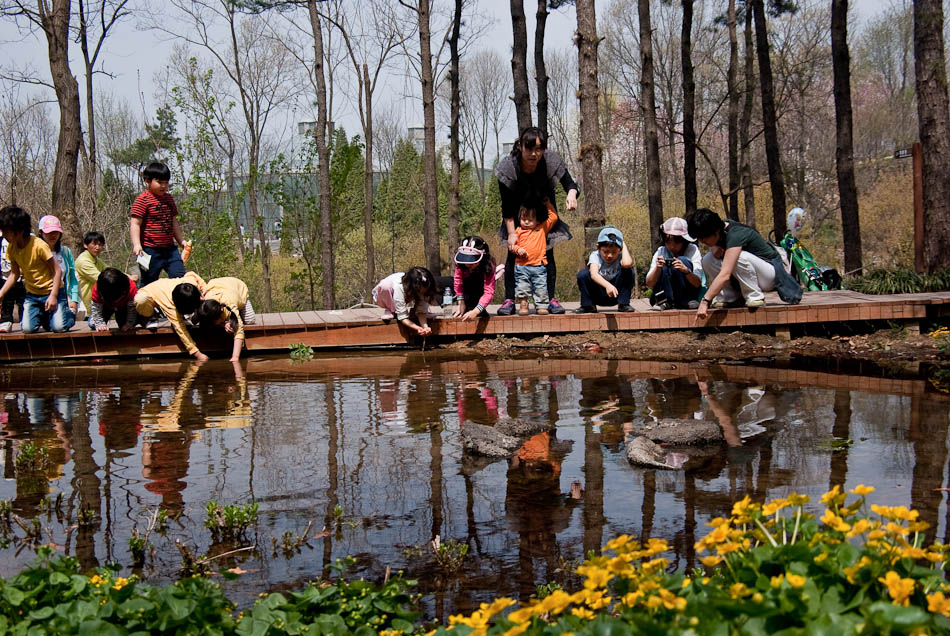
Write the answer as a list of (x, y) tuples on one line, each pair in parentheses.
[(689, 108), (844, 152), (591, 151), (934, 123), (519, 65), (745, 160), (56, 27), (430, 222), (328, 296), (540, 71), (648, 111), (769, 119), (733, 114), (368, 186), (455, 160)]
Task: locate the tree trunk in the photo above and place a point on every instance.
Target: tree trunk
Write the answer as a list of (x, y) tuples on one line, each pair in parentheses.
[(933, 121), (91, 150), (328, 297), (430, 223), (648, 110), (745, 161), (769, 120), (519, 65), (540, 72), (368, 186), (733, 114), (844, 153), (56, 27), (454, 159), (689, 108), (591, 151)]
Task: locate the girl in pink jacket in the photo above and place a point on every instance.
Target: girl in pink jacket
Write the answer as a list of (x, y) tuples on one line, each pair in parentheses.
[(474, 278)]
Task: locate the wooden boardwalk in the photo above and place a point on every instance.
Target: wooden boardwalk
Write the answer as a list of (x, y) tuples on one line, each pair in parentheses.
[(364, 327)]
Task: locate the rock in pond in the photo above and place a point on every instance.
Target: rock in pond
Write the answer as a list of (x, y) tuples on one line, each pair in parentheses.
[(502, 439), (685, 432), (642, 452)]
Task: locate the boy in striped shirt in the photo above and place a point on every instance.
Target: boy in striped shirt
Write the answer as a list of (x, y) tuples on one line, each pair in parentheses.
[(154, 227)]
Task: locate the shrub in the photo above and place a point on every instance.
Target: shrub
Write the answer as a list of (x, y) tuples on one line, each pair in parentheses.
[(899, 281)]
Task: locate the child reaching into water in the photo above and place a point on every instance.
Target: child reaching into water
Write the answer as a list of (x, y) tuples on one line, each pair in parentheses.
[(536, 218), (113, 293), (225, 303), (175, 298), (474, 280), (402, 294)]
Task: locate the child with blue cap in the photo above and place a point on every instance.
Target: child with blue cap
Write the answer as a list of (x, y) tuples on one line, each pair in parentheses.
[(608, 279)]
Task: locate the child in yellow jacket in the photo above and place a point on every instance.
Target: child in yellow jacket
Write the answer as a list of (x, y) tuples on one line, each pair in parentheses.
[(175, 298), (226, 303)]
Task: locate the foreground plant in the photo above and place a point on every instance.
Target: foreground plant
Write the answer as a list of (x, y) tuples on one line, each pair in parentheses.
[(769, 568)]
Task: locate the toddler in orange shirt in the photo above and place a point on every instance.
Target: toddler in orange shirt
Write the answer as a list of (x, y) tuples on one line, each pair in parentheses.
[(536, 218)]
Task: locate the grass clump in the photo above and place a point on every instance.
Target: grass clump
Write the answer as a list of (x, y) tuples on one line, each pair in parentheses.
[(898, 281)]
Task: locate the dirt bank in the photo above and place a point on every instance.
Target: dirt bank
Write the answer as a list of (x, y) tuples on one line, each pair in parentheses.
[(885, 347)]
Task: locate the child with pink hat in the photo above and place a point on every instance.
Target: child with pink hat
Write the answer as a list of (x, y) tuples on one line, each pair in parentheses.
[(675, 273)]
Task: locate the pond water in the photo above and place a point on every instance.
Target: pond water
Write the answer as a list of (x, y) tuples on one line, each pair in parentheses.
[(366, 450)]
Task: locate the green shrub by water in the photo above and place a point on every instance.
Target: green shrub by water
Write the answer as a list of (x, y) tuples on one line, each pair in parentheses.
[(767, 568), (899, 281)]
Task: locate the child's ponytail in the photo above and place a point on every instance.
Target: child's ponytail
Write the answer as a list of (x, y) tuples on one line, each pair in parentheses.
[(419, 284)]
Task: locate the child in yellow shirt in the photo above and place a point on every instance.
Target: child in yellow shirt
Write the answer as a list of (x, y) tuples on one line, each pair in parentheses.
[(175, 298), (225, 303)]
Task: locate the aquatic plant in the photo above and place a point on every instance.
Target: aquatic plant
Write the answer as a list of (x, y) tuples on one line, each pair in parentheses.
[(31, 458), (139, 546), (301, 352), (87, 516), (230, 522), (161, 520), (449, 555)]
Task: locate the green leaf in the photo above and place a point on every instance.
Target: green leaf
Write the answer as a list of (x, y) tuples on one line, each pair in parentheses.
[(42, 613), (58, 578), (831, 601), (13, 596), (886, 614)]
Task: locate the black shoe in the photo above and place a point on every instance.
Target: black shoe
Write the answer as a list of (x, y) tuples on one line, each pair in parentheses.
[(584, 309), (507, 308), (625, 309)]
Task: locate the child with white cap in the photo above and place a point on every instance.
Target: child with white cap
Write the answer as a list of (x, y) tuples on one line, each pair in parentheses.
[(608, 278), (676, 269)]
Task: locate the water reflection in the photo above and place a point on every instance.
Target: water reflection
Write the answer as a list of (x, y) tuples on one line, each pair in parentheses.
[(368, 449)]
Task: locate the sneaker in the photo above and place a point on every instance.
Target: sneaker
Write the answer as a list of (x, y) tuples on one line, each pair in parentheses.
[(523, 309), (555, 307), (718, 304), (5, 326), (625, 309), (585, 309), (156, 322), (542, 311), (663, 305), (693, 304), (758, 302), (507, 308)]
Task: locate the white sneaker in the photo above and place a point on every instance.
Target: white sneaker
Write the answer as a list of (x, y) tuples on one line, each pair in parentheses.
[(5, 327), (155, 323), (757, 302)]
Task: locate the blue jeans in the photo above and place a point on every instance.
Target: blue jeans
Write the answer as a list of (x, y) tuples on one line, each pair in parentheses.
[(163, 258), (36, 316), (532, 280), (676, 289), (593, 294)]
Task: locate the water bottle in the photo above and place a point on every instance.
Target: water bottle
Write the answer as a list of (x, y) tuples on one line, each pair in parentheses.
[(447, 301)]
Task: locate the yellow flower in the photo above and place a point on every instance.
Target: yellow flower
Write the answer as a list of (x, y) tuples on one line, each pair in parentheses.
[(776, 581), (686, 582), (728, 547), (711, 561), (899, 589), (97, 580), (795, 580), (938, 604), (821, 557), (773, 507), (518, 629), (583, 613), (862, 490), (738, 590), (671, 601), (832, 520), (597, 600), (852, 571), (742, 507), (859, 527), (631, 599), (120, 583), (757, 597), (618, 542), (596, 577), (833, 497), (555, 602), (798, 500), (654, 602), (896, 528), (523, 615)]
